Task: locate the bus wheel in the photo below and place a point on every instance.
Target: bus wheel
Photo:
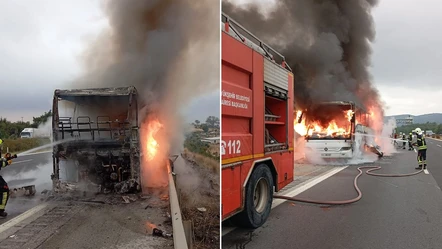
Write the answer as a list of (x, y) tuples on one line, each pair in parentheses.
[(258, 198)]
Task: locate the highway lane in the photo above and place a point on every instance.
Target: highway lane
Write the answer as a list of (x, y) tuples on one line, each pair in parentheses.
[(434, 159), (34, 169), (393, 213)]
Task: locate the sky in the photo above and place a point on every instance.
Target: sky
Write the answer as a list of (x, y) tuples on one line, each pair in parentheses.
[(406, 57), (40, 47), (41, 41), (407, 66)]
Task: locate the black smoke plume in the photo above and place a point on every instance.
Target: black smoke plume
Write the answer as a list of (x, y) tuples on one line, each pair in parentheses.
[(326, 43), (167, 49)]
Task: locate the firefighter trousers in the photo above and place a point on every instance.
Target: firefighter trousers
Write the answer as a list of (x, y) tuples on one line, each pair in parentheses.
[(4, 194), (422, 157)]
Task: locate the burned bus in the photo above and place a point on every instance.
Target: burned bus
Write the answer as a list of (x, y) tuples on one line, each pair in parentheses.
[(330, 130), (96, 137)]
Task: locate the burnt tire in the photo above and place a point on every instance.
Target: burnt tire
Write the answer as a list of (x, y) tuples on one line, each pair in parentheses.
[(258, 198)]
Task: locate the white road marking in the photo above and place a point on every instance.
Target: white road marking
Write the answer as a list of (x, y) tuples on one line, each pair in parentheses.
[(426, 171), (14, 221), (306, 185), (438, 145), (296, 190), (227, 230), (23, 161)]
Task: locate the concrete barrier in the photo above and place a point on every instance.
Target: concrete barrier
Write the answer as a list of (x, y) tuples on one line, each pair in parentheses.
[(179, 236)]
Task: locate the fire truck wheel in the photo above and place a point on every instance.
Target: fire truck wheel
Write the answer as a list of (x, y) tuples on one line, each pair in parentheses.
[(259, 197)]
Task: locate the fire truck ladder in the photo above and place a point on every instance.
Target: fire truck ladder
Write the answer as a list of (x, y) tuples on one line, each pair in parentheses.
[(246, 37)]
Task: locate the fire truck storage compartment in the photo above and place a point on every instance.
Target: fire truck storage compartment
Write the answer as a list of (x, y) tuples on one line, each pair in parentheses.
[(276, 108), (256, 99), (239, 119), (275, 120)]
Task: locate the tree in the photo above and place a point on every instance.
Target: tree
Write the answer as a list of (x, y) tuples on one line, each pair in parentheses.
[(212, 122), (37, 121), (205, 127), (10, 129), (196, 123)]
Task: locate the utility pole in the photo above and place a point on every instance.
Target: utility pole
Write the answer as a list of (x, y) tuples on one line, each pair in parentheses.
[(22, 119)]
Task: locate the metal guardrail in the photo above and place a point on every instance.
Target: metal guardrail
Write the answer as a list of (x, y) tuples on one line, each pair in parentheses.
[(179, 236)]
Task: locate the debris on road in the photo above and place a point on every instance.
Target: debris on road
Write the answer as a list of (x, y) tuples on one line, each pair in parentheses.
[(126, 199), (23, 191), (160, 233)]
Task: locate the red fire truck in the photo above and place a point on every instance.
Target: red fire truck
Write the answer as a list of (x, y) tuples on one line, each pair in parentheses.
[(257, 125)]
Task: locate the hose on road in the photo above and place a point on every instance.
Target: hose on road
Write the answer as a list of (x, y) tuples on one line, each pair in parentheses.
[(355, 184)]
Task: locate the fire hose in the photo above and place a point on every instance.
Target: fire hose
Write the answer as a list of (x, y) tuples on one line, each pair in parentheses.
[(355, 184)]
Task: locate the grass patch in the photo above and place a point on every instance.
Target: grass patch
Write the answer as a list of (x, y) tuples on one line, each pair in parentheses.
[(194, 144), (23, 144), (205, 159), (202, 161), (205, 223)]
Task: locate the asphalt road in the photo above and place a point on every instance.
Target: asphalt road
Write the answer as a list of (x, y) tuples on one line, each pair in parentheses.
[(75, 224), (26, 170), (393, 212)]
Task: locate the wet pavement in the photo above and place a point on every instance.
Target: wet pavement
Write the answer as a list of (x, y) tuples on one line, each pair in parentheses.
[(393, 212), (32, 169)]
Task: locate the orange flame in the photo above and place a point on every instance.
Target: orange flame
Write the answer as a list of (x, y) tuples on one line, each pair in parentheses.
[(150, 226), (152, 144), (349, 114), (331, 129)]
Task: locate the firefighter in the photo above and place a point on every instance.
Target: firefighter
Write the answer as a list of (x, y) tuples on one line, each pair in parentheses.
[(4, 189), (410, 139), (421, 149), (404, 141)]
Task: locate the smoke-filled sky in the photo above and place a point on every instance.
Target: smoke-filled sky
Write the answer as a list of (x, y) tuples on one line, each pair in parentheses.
[(42, 46), (405, 54), (40, 42)]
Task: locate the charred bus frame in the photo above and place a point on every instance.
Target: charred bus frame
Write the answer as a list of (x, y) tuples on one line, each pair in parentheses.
[(113, 143)]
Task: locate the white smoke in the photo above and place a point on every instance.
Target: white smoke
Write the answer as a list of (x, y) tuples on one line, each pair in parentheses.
[(360, 155), (385, 141), (44, 130)]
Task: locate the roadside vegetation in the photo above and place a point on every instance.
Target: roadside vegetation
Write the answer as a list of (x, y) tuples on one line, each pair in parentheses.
[(21, 145), (435, 127), (10, 134), (201, 205), (209, 129)]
